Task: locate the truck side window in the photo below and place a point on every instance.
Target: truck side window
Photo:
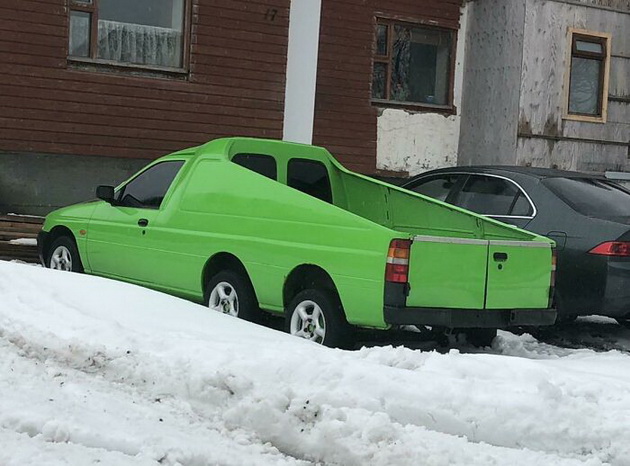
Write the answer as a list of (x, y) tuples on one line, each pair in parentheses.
[(310, 177), (147, 190), (262, 164)]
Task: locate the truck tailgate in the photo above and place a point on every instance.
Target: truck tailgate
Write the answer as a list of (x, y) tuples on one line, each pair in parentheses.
[(518, 274), (447, 272), (462, 273)]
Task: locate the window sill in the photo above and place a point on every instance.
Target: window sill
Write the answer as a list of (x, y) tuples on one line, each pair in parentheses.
[(585, 118), (415, 107), (129, 69)]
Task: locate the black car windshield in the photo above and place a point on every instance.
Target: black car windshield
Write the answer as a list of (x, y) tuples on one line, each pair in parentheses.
[(592, 197)]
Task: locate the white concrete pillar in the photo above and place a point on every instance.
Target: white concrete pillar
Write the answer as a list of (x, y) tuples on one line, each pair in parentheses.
[(299, 98)]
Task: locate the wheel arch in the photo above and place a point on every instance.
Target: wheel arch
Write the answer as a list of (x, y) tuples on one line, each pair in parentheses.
[(55, 233), (307, 276), (224, 261)]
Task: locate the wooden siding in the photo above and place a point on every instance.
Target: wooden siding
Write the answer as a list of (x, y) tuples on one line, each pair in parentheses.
[(235, 85), (345, 119), (546, 136)]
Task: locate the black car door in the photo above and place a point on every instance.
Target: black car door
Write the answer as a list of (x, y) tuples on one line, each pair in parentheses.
[(496, 197)]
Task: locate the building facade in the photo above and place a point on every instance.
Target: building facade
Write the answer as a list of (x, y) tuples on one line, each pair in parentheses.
[(90, 90), (547, 83)]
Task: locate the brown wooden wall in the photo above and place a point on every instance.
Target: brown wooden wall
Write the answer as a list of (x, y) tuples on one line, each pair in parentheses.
[(235, 86), (345, 120)]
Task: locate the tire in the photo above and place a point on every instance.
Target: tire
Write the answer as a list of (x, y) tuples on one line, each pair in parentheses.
[(229, 292), (317, 315), (481, 337), (64, 255)]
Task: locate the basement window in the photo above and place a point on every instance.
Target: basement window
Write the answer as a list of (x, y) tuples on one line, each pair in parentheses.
[(413, 65), (142, 33), (588, 76)]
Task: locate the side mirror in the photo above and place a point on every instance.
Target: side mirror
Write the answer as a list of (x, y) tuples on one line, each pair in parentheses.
[(106, 193)]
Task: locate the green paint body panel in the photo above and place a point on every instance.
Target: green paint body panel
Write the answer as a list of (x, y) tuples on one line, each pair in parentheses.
[(215, 206)]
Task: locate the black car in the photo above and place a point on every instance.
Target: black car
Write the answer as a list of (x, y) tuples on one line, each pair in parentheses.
[(588, 216)]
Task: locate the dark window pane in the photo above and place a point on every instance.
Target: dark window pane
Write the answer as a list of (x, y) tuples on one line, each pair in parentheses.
[(148, 189), (487, 195), (263, 164), (79, 44), (381, 39), (585, 46), (421, 60), (310, 177), (437, 188), (146, 32), (378, 81), (584, 90), (522, 207), (591, 197)]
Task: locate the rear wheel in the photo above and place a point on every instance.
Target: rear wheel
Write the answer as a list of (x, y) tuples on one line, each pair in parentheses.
[(64, 255), (230, 293), (317, 315)]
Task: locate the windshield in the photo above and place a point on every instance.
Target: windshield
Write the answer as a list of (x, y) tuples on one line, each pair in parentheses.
[(592, 197)]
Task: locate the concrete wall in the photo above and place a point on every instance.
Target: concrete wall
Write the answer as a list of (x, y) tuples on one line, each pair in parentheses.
[(415, 142), (37, 184), (492, 76)]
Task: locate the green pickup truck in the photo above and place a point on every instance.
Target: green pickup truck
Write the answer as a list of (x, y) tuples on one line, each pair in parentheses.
[(248, 225)]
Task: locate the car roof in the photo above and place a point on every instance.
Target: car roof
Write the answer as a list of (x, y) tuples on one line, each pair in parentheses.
[(535, 172)]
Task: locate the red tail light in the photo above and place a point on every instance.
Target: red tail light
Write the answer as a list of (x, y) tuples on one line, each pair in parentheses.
[(397, 268), (612, 248), (552, 284)]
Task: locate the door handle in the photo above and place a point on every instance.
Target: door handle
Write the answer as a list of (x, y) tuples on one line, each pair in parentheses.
[(500, 256), (143, 222)]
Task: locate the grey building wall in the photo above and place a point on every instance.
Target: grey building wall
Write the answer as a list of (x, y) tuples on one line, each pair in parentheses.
[(545, 137), (492, 76), (38, 183), (514, 85)]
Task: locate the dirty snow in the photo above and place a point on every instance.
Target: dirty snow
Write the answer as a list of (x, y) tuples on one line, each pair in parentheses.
[(94, 370)]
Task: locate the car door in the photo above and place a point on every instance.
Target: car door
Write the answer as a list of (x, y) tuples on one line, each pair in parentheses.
[(119, 239), (496, 197)]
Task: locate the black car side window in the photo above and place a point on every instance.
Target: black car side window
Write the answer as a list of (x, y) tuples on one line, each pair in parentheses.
[(310, 177), (490, 195), (437, 187), (147, 190)]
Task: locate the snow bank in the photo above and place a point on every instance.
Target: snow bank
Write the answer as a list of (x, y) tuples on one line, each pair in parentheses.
[(95, 369)]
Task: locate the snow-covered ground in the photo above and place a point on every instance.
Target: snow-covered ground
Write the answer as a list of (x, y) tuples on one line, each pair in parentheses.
[(96, 371)]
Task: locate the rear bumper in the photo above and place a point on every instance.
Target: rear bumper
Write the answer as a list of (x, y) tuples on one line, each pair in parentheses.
[(616, 301), (468, 318), (41, 239)]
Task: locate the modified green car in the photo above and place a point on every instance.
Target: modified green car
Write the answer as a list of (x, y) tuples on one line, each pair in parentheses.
[(249, 226)]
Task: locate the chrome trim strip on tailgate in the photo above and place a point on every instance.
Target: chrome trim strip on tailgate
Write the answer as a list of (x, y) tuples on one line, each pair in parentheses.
[(448, 239), (451, 240), (526, 244)]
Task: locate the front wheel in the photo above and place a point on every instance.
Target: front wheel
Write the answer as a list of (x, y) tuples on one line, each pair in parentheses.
[(318, 316), (230, 293), (64, 255)]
